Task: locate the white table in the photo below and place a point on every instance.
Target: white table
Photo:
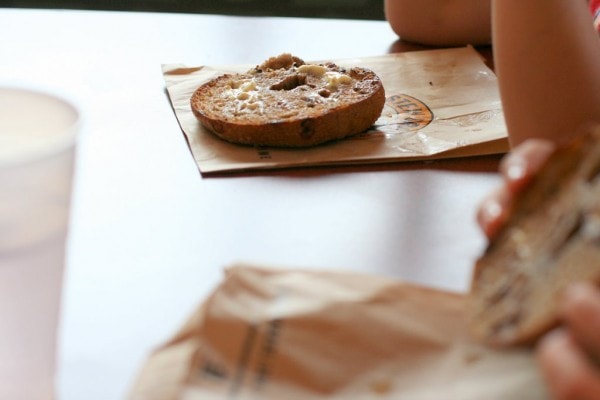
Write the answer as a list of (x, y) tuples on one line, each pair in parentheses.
[(150, 236)]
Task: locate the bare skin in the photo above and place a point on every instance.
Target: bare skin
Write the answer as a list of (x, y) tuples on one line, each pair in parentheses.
[(441, 23), (549, 104), (547, 58), (568, 357), (546, 55)]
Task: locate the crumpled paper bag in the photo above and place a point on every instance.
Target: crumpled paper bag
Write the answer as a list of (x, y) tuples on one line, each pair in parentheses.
[(440, 103), (294, 334)]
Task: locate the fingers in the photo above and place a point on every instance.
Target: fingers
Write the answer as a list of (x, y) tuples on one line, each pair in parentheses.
[(581, 312), (523, 162), (493, 211), (569, 358), (517, 168), (567, 370)]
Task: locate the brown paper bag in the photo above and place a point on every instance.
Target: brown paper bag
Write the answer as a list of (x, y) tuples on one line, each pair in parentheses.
[(293, 334), (440, 103)]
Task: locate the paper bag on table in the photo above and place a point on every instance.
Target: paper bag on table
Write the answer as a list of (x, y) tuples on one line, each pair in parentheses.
[(292, 334), (440, 103)]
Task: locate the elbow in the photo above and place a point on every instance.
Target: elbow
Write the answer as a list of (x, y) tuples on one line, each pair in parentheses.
[(431, 25), (405, 23)]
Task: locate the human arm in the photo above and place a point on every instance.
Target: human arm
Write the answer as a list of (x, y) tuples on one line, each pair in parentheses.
[(440, 22), (547, 59)]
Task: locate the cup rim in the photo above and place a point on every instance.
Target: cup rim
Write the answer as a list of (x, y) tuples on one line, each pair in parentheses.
[(67, 139)]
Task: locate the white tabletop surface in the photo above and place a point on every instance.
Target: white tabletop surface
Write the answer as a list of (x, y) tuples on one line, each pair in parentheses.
[(150, 236)]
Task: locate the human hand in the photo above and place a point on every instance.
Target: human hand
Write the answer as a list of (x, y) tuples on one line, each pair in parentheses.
[(517, 168), (568, 357)]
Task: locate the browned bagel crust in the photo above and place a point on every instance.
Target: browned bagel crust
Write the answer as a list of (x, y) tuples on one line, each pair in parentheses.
[(287, 103), (551, 239)]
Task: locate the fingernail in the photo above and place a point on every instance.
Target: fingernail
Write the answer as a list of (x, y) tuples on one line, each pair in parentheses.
[(578, 291), (493, 209), (576, 298), (552, 339), (516, 171), (490, 217)]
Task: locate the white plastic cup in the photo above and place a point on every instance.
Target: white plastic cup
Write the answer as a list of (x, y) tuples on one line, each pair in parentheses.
[(37, 150)]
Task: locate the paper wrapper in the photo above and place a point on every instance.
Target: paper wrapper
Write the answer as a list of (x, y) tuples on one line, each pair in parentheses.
[(440, 103), (293, 334)]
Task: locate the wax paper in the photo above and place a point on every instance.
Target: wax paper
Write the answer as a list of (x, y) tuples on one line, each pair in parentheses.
[(281, 333)]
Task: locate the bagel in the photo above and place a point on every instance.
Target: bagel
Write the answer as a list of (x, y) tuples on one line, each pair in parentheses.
[(550, 240), (285, 102)]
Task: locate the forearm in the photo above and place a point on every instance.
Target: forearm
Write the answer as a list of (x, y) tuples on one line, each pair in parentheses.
[(547, 58), (441, 22)]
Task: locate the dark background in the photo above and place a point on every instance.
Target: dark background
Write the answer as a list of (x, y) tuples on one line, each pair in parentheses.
[(354, 9)]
